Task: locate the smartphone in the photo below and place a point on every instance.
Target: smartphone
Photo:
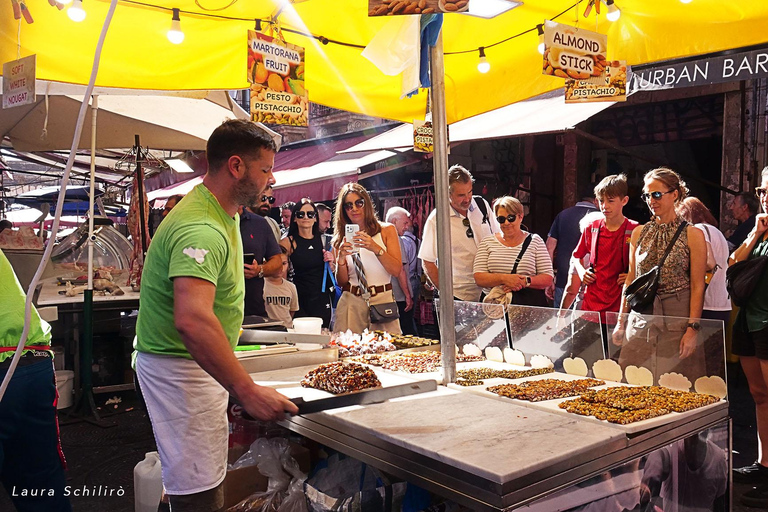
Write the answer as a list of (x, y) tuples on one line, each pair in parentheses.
[(349, 233), (248, 258), (326, 241)]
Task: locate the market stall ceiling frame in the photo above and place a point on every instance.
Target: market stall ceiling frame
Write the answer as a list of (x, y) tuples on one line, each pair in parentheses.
[(137, 54)]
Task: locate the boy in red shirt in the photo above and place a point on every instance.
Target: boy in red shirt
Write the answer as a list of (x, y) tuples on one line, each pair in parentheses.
[(607, 243)]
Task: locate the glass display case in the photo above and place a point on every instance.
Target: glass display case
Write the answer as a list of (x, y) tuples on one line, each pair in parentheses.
[(111, 251)]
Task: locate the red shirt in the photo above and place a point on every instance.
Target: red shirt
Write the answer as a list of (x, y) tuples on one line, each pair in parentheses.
[(610, 260)]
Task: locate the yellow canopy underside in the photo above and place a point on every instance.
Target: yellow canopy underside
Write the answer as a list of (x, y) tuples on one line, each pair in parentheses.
[(138, 55)]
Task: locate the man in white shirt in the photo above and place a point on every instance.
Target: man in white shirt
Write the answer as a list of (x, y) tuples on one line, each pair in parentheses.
[(471, 220)]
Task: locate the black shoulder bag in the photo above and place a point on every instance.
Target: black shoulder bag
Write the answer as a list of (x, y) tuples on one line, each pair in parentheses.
[(527, 296), (641, 292), (742, 277), (384, 312)]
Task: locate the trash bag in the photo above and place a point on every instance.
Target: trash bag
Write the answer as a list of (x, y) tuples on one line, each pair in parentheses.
[(348, 485)]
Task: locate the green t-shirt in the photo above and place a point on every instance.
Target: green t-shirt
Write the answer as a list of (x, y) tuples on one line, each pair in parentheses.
[(196, 239), (756, 310), (12, 301)]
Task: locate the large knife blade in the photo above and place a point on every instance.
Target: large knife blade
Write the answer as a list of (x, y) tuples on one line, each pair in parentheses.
[(371, 396)]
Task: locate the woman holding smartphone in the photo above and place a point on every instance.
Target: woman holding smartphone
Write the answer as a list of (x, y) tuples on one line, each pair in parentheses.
[(378, 247), (304, 247)]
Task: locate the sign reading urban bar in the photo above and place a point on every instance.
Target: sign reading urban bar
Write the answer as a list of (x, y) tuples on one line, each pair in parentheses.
[(610, 86), (19, 82), (276, 74), (573, 52), (404, 7), (744, 65)]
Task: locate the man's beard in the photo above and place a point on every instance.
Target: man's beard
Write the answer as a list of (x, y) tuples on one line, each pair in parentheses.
[(248, 192), (264, 210)]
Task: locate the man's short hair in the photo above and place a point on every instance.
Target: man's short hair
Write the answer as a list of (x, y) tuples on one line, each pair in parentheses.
[(458, 174), (288, 206), (236, 137), (396, 211), (322, 207), (750, 200), (283, 250), (611, 186)]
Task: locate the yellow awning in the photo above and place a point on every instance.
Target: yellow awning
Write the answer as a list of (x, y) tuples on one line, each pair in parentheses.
[(213, 55)]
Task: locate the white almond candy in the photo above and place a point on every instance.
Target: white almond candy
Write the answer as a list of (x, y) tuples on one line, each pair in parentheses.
[(639, 376), (539, 361), (471, 349), (711, 386), (575, 366), (675, 381), (607, 369), (514, 357), (494, 354)]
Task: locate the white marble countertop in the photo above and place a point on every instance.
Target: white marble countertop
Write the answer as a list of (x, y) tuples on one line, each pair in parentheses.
[(49, 294)]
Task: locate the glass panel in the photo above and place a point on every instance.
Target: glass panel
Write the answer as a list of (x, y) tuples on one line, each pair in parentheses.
[(480, 324)]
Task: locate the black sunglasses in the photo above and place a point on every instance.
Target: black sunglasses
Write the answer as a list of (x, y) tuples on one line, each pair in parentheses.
[(349, 204), (502, 219), (300, 214), (655, 195), (268, 199), (465, 221), (760, 191)]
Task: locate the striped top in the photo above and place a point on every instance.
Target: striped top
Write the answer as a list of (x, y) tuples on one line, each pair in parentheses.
[(494, 257)]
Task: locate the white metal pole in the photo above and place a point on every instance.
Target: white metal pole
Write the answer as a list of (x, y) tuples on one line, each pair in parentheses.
[(94, 112), (442, 205)]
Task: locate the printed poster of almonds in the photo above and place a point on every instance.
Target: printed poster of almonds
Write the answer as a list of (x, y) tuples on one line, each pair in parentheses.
[(276, 74), (405, 7), (610, 86), (573, 52)]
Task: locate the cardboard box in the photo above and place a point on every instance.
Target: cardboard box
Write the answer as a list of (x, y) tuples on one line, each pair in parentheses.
[(242, 482)]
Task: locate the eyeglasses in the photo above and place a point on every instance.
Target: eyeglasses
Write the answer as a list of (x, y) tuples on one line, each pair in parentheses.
[(760, 191), (300, 214), (349, 204), (268, 199), (510, 218), (465, 221), (654, 195)]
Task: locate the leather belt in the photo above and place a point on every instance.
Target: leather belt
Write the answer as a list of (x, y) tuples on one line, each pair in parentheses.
[(374, 290)]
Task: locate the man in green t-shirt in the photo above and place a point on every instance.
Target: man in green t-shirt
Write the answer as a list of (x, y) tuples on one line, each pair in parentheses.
[(30, 452), (190, 316)]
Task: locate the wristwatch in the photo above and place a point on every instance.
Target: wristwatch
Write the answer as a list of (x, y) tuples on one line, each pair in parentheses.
[(527, 281), (696, 326), (380, 253), (261, 272)]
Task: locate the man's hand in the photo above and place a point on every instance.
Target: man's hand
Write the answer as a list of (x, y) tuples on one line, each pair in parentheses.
[(618, 335), (622, 280), (589, 276), (266, 404), (688, 343), (251, 270), (408, 302), (550, 292)]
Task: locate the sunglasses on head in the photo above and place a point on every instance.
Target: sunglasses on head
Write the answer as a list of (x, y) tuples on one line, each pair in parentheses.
[(268, 199), (470, 234), (760, 191), (349, 204), (647, 196), (300, 214), (502, 219)]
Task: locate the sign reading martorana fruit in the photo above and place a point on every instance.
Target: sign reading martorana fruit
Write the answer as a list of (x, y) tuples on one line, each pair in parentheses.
[(19, 82), (610, 86), (276, 74), (573, 52), (405, 7)]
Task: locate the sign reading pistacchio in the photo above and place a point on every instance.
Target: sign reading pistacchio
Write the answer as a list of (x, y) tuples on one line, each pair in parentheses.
[(573, 52), (610, 86), (276, 74), (406, 7)]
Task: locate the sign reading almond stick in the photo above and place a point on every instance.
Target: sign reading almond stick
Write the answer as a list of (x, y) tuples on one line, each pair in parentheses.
[(276, 74), (406, 7), (573, 52)]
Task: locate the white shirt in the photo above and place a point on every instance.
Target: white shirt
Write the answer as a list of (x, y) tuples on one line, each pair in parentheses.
[(375, 273), (716, 297), (463, 248)]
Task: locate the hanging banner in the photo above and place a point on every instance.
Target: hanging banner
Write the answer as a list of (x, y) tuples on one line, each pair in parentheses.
[(404, 7), (276, 74), (573, 52), (610, 86), (19, 82)]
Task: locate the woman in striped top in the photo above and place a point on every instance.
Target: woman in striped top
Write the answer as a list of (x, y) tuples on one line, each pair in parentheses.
[(497, 254)]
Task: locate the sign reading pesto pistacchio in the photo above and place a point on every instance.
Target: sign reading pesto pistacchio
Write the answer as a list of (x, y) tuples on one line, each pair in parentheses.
[(276, 74), (406, 7), (573, 52)]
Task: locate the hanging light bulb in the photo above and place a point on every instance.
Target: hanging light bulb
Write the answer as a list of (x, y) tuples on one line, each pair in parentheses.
[(76, 12), (175, 35), (483, 65), (63, 2), (686, 1), (542, 44), (613, 12)]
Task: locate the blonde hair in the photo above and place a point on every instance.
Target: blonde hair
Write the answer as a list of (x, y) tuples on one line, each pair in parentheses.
[(671, 179), (509, 203)]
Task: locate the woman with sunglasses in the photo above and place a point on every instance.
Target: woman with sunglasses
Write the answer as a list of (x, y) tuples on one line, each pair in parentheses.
[(750, 343), (305, 251), (668, 344), (378, 247), (497, 254)]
